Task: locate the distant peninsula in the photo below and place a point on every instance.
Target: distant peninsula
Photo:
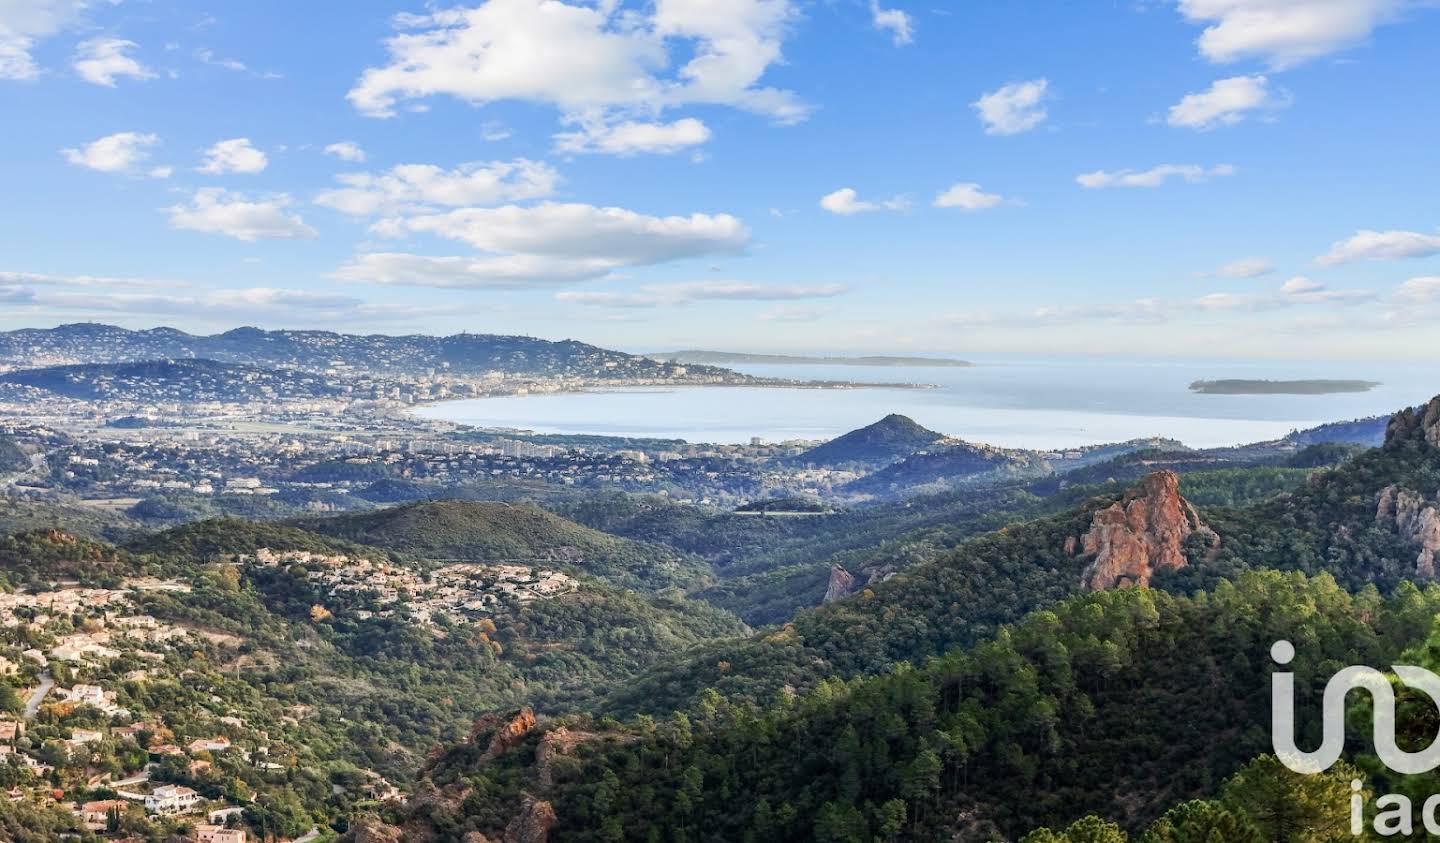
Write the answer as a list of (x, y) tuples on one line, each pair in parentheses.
[(730, 358), (1263, 387)]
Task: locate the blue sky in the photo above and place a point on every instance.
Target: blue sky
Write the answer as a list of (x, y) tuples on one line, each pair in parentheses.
[(1204, 177)]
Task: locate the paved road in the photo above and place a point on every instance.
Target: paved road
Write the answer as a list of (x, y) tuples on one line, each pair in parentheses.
[(32, 705)]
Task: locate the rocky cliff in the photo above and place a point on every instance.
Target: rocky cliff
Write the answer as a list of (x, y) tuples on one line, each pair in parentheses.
[(1416, 519), (842, 584), (1140, 534)]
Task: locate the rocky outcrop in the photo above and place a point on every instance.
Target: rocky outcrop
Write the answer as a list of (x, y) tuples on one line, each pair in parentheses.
[(842, 584), (1416, 520), (556, 742), (504, 732), (1140, 534), (1420, 423), (532, 824)]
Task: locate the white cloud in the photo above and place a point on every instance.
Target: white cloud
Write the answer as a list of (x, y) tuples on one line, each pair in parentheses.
[(121, 152), (49, 280), (683, 293), (1300, 285), (217, 211), (346, 151), (101, 60), (846, 202), (299, 307), (503, 272), (1381, 246), (233, 156), (587, 58), (1014, 108), (1285, 32), (1420, 290), (23, 23), (576, 231), (1225, 103), (1243, 268), (1302, 290), (412, 187), (631, 137), (1153, 177), (967, 196), (549, 244), (897, 22)]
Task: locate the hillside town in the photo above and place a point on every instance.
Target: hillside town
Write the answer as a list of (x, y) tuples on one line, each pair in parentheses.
[(83, 673)]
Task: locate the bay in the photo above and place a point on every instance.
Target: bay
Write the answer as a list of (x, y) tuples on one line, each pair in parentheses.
[(1011, 400)]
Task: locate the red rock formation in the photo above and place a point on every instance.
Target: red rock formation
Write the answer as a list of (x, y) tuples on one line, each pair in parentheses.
[(1140, 534), (510, 733)]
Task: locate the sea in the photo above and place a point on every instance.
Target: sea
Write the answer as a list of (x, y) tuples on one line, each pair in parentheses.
[(1014, 401)]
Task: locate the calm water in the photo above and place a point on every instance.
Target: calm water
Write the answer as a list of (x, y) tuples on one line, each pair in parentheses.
[(1009, 401)]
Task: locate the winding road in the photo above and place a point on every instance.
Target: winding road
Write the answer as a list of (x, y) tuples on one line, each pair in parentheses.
[(37, 696)]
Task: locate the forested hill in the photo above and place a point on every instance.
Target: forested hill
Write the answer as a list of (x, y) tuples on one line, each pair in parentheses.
[(881, 443), (322, 351), (519, 533), (1117, 703)]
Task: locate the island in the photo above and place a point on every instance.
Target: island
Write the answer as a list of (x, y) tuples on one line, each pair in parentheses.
[(730, 358), (1267, 387)]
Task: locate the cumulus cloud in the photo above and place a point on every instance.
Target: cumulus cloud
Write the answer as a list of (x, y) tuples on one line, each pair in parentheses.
[(631, 137), (100, 61), (967, 196), (1420, 290), (1302, 290), (24, 24), (1381, 246), (847, 202), (1300, 285), (121, 152), (1153, 177), (1285, 33), (898, 23), (1225, 103), (412, 187), (1244, 268), (217, 211), (580, 231), (233, 156), (346, 151), (1014, 108), (587, 58), (543, 245), (677, 294)]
